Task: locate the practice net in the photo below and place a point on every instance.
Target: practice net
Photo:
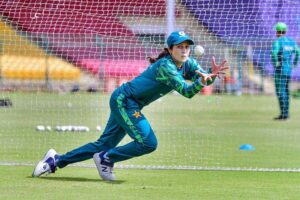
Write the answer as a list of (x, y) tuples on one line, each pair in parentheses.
[(60, 60)]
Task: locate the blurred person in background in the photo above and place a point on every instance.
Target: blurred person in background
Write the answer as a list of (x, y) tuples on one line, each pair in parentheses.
[(285, 56)]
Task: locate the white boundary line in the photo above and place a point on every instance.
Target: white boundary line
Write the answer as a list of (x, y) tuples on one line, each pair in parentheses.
[(171, 167)]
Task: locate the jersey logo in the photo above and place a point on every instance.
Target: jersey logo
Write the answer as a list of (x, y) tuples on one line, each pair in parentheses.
[(288, 48), (181, 33), (136, 114)]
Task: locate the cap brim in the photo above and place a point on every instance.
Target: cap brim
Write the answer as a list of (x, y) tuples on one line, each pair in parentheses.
[(181, 40)]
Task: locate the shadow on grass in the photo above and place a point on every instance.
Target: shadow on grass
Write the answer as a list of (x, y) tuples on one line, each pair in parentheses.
[(78, 179)]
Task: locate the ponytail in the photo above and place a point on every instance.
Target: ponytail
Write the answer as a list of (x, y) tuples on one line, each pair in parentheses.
[(162, 54)]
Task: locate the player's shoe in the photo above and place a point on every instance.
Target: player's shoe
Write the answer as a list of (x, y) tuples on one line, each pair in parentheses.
[(281, 118), (104, 166), (47, 164)]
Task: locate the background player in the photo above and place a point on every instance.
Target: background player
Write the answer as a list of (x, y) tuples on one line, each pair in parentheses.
[(283, 49)]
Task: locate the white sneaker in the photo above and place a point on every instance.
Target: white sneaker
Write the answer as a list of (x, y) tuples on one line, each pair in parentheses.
[(47, 164), (104, 166)]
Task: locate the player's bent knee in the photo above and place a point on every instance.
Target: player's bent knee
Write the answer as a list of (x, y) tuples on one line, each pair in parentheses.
[(149, 149), (150, 145)]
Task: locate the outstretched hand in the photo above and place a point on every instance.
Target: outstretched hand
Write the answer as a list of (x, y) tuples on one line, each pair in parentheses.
[(216, 71)]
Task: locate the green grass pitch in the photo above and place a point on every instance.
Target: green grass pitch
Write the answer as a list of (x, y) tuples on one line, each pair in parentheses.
[(205, 131)]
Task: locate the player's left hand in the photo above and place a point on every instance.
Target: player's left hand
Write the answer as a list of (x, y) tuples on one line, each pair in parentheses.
[(218, 70)]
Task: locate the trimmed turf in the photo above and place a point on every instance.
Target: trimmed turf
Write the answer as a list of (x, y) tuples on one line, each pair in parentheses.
[(201, 132), (83, 183)]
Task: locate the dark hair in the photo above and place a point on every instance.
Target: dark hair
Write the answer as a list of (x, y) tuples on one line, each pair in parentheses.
[(162, 54)]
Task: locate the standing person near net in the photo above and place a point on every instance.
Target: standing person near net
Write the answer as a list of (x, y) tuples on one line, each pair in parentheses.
[(285, 55), (167, 72)]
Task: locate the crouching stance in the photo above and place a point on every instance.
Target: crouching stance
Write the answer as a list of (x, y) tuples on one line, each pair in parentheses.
[(167, 72)]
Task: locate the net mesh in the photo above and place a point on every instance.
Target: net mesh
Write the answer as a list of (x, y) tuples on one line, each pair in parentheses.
[(61, 59)]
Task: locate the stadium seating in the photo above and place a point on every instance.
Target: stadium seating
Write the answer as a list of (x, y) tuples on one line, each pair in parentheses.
[(80, 36), (114, 72), (92, 19), (34, 68), (251, 23), (65, 24)]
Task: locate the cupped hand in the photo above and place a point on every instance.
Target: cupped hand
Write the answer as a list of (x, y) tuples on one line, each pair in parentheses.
[(218, 70)]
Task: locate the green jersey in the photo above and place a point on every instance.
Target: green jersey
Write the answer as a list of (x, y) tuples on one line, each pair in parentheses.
[(283, 50), (162, 77)]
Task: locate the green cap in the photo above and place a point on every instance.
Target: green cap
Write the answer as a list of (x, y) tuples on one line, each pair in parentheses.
[(178, 37), (280, 26)]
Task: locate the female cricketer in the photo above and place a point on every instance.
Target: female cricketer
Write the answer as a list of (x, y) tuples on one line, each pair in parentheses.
[(285, 56), (167, 72)]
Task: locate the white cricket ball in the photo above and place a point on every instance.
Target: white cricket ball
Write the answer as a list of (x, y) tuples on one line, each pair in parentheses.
[(58, 128), (98, 128), (40, 128), (199, 50), (87, 129)]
